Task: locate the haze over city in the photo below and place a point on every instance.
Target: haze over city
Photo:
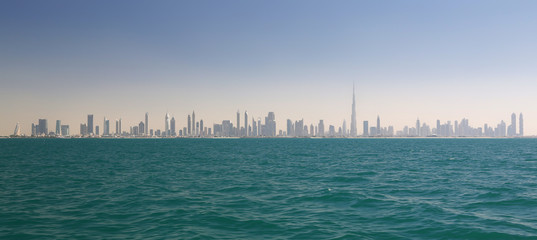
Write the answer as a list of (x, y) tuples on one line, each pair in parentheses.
[(409, 60)]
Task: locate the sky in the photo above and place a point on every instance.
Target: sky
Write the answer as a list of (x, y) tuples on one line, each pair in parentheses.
[(430, 60)]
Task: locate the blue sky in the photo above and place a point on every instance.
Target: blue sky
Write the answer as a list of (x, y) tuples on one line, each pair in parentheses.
[(429, 59)]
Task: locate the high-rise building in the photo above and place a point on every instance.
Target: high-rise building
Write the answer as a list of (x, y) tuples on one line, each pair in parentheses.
[(354, 132), (366, 128), (42, 128), (17, 131), (331, 130), (290, 128), (90, 124), (521, 125), (378, 125), (172, 126), (202, 131), (117, 127), (97, 130), (34, 130), (254, 127), (373, 131), (238, 123), (58, 127), (511, 131), (344, 128), (141, 128), (227, 128), (270, 125), (106, 127), (299, 128), (83, 129), (320, 129), (259, 127), (246, 124), (197, 128), (167, 124), (120, 132), (418, 132), (193, 123), (65, 130), (189, 123), (146, 129)]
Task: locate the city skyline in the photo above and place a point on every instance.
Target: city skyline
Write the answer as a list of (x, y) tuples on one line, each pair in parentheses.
[(298, 128), (429, 60)]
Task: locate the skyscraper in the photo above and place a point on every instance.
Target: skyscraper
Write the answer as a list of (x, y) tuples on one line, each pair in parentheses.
[(521, 125), (83, 129), (172, 126), (193, 123), (58, 127), (189, 123), (146, 129), (366, 128), (202, 133), (290, 128), (90, 124), (418, 132), (42, 128), (65, 130), (259, 127), (344, 126), (270, 125), (238, 124), (246, 123), (511, 130), (353, 115), (254, 127), (378, 125), (106, 127), (120, 132), (320, 128), (17, 131), (167, 124), (141, 128)]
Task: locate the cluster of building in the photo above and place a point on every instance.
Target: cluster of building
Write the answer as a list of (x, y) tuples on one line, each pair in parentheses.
[(252, 127), (193, 128), (448, 129)]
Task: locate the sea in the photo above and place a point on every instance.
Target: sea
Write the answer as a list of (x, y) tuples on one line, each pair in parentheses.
[(268, 188)]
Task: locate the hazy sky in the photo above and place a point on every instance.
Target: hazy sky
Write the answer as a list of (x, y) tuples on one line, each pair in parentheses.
[(429, 59)]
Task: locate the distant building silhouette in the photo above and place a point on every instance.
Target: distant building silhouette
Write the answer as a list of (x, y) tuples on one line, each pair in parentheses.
[(90, 124), (146, 125), (172, 127), (42, 128), (58, 127), (354, 131), (378, 126), (521, 125)]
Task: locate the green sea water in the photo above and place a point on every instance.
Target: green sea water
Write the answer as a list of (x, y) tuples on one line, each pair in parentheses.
[(268, 189)]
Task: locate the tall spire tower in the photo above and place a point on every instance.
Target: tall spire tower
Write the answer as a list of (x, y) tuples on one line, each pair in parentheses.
[(353, 116), (167, 125)]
